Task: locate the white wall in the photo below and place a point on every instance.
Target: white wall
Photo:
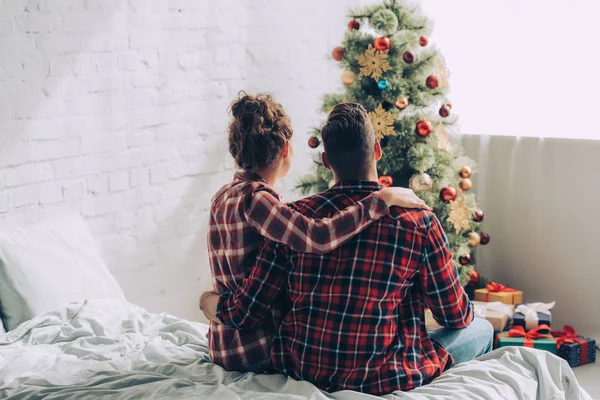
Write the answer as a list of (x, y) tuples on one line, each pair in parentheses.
[(521, 67), (117, 110)]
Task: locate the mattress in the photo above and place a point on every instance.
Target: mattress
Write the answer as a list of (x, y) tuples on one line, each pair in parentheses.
[(115, 350)]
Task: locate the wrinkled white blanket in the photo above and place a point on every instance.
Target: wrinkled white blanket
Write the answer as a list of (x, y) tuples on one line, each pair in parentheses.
[(112, 349)]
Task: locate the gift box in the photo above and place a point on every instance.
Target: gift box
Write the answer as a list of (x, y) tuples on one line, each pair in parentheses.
[(575, 349), (497, 292), (498, 314), (533, 314), (538, 338)]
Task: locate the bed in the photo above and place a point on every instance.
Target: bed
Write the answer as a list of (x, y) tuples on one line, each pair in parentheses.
[(116, 350), (71, 334)]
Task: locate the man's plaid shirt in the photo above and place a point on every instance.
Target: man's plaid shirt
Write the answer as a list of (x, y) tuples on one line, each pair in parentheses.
[(243, 213), (354, 318)]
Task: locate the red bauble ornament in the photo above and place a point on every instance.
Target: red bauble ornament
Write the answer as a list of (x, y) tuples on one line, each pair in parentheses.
[(432, 82), (424, 128), (478, 216), (338, 53), (464, 260), (485, 238), (386, 180), (353, 25), (383, 43), (423, 41), (474, 278), (448, 194), (444, 110), (314, 142), (408, 57)]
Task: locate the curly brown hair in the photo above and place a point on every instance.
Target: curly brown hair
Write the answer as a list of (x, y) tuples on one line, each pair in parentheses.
[(258, 131)]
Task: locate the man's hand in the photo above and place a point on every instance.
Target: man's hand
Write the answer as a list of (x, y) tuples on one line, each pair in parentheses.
[(402, 197), (208, 305)]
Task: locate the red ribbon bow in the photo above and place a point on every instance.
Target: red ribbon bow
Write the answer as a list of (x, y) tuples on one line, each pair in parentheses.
[(568, 335), (498, 287), (539, 332), (495, 287)]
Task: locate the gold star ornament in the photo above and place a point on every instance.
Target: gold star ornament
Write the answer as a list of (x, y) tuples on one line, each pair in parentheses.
[(459, 214), (373, 63), (383, 123)]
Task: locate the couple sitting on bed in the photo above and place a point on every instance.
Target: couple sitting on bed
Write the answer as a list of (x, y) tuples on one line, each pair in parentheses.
[(332, 288)]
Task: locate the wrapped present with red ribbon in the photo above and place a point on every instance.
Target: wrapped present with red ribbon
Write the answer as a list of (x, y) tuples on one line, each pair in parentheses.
[(538, 338), (494, 291), (574, 348)]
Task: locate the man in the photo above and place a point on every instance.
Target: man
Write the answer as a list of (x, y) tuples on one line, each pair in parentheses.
[(354, 318)]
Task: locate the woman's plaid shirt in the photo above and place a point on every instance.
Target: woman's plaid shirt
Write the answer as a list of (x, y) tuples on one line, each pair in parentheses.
[(243, 213), (354, 318)]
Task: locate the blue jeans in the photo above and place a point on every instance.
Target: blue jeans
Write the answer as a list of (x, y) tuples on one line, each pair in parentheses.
[(466, 344)]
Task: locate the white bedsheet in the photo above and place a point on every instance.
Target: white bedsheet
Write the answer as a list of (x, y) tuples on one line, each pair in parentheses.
[(115, 350)]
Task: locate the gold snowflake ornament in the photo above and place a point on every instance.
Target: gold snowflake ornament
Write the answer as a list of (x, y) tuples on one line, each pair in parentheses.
[(383, 122), (459, 214), (441, 71), (373, 63)]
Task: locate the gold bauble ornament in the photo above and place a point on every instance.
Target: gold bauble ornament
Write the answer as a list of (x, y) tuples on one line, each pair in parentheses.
[(465, 184), (465, 172), (401, 103), (420, 182), (474, 239), (348, 77)]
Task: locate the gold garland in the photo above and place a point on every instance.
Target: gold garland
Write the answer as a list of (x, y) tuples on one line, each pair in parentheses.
[(442, 139), (441, 71)]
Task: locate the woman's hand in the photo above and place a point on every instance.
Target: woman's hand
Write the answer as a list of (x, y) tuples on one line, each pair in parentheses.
[(208, 305), (402, 197)]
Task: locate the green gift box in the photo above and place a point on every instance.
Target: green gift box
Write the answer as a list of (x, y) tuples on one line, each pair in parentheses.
[(538, 338)]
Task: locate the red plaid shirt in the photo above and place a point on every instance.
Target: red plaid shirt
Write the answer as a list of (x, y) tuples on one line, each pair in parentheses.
[(354, 318), (243, 213)]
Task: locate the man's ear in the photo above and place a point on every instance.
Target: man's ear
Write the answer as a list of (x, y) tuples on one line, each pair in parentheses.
[(378, 151), (325, 161)]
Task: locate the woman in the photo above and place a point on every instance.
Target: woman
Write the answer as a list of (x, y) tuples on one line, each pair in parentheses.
[(248, 210)]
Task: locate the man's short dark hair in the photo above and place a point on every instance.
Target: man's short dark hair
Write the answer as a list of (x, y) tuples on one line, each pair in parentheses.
[(349, 139)]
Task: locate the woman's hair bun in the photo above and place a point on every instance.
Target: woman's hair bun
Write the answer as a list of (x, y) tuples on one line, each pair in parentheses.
[(258, 131)]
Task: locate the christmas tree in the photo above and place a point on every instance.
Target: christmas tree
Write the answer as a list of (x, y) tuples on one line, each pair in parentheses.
[(391, 69)]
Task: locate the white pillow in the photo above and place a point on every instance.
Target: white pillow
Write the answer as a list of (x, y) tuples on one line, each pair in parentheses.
[(49, 264)]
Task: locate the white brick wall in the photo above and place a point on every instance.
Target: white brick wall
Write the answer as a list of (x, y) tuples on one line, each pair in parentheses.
[(117, 110)]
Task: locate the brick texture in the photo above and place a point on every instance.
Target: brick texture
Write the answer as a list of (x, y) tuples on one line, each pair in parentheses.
[(117, 110)]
